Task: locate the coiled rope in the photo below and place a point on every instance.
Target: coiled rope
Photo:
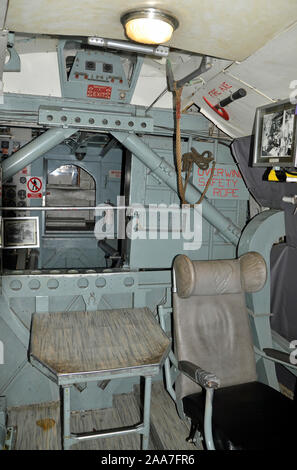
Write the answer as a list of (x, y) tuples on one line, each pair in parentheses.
[(182, 187)]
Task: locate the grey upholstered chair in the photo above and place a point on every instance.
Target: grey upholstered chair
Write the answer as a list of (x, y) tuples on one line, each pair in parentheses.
[(213, 345)]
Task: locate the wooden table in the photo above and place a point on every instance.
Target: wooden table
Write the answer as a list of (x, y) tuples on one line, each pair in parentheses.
[(75, 347)]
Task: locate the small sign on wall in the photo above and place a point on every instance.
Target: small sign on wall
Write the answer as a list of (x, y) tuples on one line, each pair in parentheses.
[(34, 187), (114, 174)]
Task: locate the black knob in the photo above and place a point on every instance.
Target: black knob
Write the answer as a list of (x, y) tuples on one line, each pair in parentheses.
[(235, 96)]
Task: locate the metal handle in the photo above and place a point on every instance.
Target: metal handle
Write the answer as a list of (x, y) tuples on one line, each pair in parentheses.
[(235, 96)]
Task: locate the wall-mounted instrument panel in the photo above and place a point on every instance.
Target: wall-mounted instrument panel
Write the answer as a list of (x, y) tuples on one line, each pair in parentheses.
[(92, 74)]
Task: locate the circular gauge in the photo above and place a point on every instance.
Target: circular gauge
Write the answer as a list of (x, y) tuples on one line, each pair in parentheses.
[(22, 194)]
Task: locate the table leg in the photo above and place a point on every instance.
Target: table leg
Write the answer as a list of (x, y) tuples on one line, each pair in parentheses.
[(146, 412), (66, 418)]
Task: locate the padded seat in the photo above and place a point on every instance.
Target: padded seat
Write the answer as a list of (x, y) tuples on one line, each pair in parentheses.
[(250, 416), (217, 387)]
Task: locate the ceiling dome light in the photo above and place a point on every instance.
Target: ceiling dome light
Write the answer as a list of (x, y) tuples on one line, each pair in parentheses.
[(149, 25)]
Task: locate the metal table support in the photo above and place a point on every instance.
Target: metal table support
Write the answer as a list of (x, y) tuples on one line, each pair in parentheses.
[(144, 428)]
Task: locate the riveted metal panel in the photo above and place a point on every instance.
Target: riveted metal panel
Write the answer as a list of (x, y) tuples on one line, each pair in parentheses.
[(146, 188)]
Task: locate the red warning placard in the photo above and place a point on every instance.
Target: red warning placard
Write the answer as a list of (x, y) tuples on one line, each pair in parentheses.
[(34, 187), (98, 91), (115, 174)]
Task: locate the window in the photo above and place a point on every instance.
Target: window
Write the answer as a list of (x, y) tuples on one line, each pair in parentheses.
[(70, 186)]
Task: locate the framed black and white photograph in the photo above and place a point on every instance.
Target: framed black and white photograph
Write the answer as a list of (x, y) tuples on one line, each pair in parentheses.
[(20, 232), (275, 135)]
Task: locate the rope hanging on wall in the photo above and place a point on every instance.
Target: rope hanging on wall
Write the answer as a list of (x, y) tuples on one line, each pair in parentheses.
[(186, 161)]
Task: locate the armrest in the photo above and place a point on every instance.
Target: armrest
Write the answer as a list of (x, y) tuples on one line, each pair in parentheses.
[(198, 375), (278, 355)]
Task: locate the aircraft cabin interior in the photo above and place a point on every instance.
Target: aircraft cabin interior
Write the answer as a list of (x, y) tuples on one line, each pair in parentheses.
[(148, 226)]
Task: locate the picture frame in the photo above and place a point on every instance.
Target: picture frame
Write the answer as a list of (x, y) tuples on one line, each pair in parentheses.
[(276, 135), (20, 232)]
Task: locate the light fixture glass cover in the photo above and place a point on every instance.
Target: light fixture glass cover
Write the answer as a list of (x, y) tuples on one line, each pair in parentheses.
[(149, 25)]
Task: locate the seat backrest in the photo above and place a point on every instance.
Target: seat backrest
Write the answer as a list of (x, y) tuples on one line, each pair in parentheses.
[(211, 325)]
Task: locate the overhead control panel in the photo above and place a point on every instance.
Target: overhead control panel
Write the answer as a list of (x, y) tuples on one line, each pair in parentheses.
[(89, 73)]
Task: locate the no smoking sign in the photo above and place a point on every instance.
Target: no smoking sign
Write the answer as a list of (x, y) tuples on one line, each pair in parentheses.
[(34, 187)]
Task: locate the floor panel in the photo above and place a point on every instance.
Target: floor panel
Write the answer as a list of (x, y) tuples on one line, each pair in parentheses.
[(39, 426)]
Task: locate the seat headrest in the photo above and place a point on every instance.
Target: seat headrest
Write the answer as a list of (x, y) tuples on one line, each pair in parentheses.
[(248, 273)]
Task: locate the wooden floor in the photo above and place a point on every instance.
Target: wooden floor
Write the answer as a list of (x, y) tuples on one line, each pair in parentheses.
[(38, 426), (168, 431)]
